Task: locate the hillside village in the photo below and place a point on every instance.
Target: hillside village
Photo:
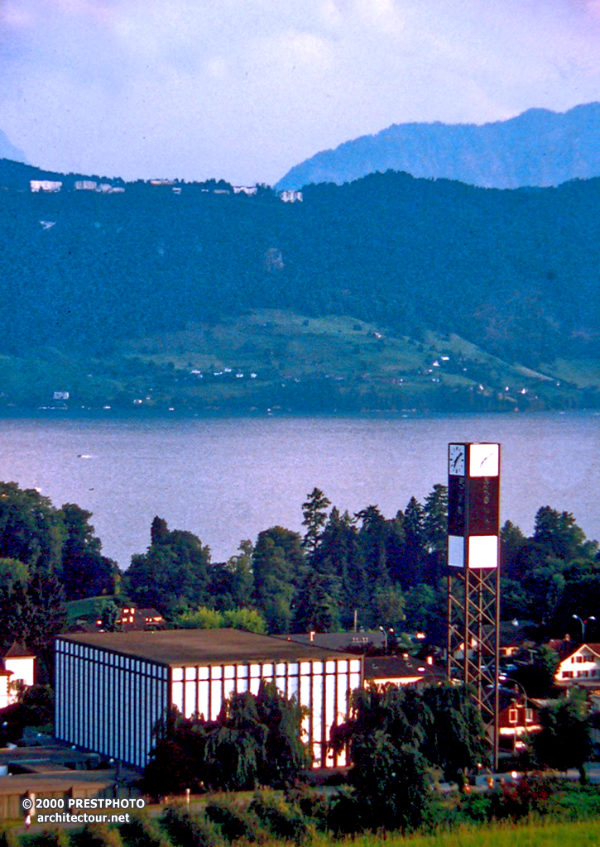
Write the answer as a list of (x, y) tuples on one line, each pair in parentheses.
[(50, 186)]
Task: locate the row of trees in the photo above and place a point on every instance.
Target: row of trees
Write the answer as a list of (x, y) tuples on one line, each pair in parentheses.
[(345, 569), (361, 564), (368, 569)]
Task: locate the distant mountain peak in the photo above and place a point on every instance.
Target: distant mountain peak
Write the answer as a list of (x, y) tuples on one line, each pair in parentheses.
[(539, 147), (9, 151)]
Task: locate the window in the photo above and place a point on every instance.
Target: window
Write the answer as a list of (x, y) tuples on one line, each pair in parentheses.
[(512, 716), (567, 674), (528, 715)]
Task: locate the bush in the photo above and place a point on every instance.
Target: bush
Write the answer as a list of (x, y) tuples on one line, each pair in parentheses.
[(8, 838), (50, 838), (188, 830), (345, 815), (312, 805), (143, 832), (475, 808), (233, 822), (570, 802), (98, 835), (281, 819), (531, 794)]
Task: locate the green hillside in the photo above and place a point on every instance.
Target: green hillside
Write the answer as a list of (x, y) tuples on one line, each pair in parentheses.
[(282, 361), (389, 293)]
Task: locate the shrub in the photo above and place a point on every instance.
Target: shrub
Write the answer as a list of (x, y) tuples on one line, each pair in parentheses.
[(574, 802), (8, 838), (530, 794), (476, 808), (283, 820), (187, 830), (140, 831), (313, 805), (345, 814), (233, 822), (98, 835), (50, 838)]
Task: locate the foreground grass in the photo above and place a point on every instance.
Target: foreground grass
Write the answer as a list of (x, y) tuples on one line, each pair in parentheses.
[(539, 834)]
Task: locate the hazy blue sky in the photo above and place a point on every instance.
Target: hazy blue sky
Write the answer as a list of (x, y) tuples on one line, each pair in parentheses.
[(244, 89)]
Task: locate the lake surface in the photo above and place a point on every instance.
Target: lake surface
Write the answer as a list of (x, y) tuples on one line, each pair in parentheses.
[(227, 479)]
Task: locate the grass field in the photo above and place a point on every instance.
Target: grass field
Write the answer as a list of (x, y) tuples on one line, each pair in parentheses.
[(580, 834), (577, 834)]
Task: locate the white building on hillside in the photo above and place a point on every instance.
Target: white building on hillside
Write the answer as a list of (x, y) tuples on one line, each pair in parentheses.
[(47, 185)]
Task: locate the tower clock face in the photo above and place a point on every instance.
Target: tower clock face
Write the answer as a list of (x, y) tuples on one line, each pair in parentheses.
[(484, 460), (456, 459)]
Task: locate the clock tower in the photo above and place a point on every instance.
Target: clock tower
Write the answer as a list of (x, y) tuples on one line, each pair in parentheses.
[(473, 574)]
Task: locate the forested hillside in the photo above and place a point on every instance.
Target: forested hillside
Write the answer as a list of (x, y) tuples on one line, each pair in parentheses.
[(132, 287)]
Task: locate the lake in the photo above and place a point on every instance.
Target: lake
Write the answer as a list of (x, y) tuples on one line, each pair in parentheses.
[(227, 479)]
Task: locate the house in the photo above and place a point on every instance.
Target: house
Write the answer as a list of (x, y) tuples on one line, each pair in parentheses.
[(581, 667), (17, 666), (250, 190), (289, 196), (132, 618), (44, 185), (517, 720), (112, 687)]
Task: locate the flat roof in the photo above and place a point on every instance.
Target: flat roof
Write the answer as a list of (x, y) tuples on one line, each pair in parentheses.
[(182, 647)]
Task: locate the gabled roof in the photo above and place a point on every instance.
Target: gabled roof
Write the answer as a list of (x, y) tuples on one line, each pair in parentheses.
[(17, 651), (563, 646), (593, 647)]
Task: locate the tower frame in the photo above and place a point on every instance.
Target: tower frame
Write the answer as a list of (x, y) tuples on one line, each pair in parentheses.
[(473, 607)]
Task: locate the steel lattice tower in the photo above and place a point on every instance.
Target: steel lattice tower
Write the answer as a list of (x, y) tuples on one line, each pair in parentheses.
[(474, 576)]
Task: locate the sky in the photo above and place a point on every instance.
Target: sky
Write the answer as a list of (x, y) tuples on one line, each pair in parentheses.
[(245, 89)]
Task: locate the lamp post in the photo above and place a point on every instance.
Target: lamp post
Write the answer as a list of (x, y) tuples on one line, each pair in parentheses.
[(516, 682), (583, 623), (385, 631)]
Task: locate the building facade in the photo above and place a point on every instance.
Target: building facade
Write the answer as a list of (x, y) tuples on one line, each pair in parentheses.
[(17, 666), (112, 688), (581, 667)]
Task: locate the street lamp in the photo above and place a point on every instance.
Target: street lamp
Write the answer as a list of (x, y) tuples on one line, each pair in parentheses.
[(516, 682), (583, 623), (385, 636)]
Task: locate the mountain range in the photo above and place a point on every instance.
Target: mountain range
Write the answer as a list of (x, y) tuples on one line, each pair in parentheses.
[(9, 151), (537, 148)]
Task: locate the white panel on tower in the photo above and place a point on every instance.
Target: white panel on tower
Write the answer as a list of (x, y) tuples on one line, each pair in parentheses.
[(483, 551)]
